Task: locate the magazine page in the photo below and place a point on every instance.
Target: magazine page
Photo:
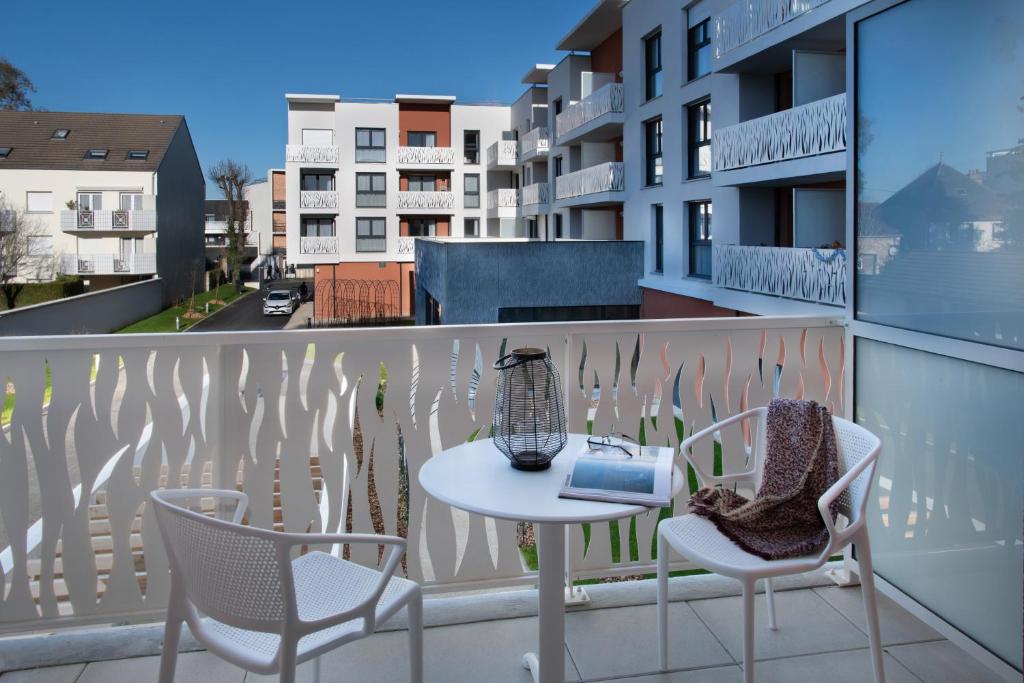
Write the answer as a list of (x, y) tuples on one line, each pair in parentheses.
[(630, 474)]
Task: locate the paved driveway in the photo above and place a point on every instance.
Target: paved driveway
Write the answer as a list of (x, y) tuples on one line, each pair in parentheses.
[(244, 314)]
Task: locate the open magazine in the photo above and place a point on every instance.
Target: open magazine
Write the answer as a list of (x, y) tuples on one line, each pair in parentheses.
[(628, 474)]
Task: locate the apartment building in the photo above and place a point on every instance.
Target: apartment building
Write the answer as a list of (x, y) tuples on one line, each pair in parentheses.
[(364, 179), (113, 198), (266, 199)]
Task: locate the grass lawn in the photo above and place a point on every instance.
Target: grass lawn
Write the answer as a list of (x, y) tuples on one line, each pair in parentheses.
[(164, 320), (9, 392)]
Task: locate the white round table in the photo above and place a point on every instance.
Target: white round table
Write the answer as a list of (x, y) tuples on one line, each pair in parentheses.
[(477, 477)]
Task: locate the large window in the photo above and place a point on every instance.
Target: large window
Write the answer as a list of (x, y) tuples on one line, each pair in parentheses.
[(658, 238), (90, 201), (699, 139), (317, 226), (471, 147), (652, 64), (371, 190), (38, 202), (422, 183), (652, 152), (371, 144), (422, 227), (317, 181), (371, 235), (417, 138), (471, 227), (699, 217), (131, 201), (472, 191), (698, 40)]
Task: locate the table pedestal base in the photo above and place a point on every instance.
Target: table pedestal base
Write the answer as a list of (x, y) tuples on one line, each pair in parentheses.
[(548, 665)]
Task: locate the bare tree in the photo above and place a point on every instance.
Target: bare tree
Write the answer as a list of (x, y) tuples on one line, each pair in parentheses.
[(14, 87), (15, 230), (232, 178)]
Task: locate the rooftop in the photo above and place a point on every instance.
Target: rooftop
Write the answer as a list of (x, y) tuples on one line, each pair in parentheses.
[(604, 19)]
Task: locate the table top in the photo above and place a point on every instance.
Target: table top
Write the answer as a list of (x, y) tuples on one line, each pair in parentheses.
[(477, 477)]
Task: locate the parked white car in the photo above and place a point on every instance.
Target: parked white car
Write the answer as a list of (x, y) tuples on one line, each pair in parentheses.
[(279, 302)]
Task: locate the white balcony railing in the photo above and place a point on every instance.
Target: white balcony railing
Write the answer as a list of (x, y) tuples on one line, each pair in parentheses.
[(426, 156), (606, 177), (503, 153), (534, 142), (303, 408), (108, 264), (812, 128), (318, 245), (309, 154), (535, 194), (816, 275), (606, 99), (406, 246), (745, 20), (502, 199), (108, 220), (318, 199), (426, 200)]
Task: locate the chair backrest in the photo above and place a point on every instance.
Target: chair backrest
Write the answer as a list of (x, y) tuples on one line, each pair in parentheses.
[(236, 574), (855, 444)]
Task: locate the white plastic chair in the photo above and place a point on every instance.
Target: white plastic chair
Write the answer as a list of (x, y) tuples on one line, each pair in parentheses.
[(699, 540), (248, 602)]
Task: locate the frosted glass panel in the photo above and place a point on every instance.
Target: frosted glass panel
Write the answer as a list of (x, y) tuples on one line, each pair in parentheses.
[(940, 169), (946, 509)]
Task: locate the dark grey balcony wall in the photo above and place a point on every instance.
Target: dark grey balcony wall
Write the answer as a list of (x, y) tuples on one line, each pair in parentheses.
[(472, 281), (99, 312)]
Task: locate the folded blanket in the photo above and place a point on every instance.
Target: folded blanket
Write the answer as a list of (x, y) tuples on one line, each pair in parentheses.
[(801, 463)]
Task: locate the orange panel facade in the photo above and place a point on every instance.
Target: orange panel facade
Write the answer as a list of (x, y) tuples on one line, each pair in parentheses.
[(278, 188), (442, 225), (658, 304), (607, 57), (425, 118)]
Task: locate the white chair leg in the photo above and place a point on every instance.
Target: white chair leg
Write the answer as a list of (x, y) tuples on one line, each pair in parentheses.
[(748, 631), (663, 550), (169, 658), (769, 595), (867, 588), (287, 658), (415, 611), (316, 669)]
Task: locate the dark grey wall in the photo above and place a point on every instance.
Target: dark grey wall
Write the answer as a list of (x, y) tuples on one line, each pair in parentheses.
[(95, 313), (180, 199), (472, 280)]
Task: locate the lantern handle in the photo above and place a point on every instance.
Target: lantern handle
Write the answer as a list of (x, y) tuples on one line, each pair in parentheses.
[(502, 364)]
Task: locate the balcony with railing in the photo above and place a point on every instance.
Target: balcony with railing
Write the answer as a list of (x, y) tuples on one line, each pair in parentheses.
[(315, 245), (814, 275), (406, 248), (87, 222), (597, 117), (503, 203), (534, 144), (534, 199), (318, 200), (109, 264), (503, 154), (426, 200), (312, 155), (601, 183), (327, 431), (425, 157), (811, 129), (745, 20)]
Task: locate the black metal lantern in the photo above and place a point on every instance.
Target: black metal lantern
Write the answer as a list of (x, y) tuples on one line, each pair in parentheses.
[(529, 417)]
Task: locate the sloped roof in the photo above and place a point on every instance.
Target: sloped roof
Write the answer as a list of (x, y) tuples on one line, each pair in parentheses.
[(29, 135), (941, 194)]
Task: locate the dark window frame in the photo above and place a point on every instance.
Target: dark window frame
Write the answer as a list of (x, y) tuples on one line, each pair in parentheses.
[(420, 177), (137, 155), (320, 221), (372, 148), (658, 238), (429, 223), (698, 38), (475, 221), (362, 194), (652, 65), (409, 138), (318, 175), (466, 194), (60, 134), (375, 239), (5, 152), (698, 135), (700, 232), (97, 154), (475, 148), (654, 152)]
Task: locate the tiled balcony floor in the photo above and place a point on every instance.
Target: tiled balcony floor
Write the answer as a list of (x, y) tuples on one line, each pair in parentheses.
[(820, 638)]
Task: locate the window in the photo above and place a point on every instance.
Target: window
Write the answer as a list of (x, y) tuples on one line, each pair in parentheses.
[(422, 183), (313, 226), (652, 64), (96, 154), (422, 227), (371, 190), (39, 202), (700, 238), (90, 201), (558, 107), (698, 41), (532, 230), (5, 152), (312, 182), (471, 147), (699, 139), (659, 238), (417, 138), (370, 144), (371, 235), (60, 134), (472, 196), (471, 227), (317, 137), (558, 166), (138, 154), (131, 201), (652, 152)]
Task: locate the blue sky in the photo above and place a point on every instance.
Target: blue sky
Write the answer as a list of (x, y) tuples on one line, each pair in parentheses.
[(226, 65)]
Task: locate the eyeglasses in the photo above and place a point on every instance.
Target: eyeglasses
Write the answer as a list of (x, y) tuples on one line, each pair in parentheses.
[(613, 440)]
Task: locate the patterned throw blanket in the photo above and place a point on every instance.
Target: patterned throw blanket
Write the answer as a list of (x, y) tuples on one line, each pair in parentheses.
[(801, 463)]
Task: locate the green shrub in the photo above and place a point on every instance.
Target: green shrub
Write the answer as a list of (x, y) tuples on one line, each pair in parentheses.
[(39, 292)]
